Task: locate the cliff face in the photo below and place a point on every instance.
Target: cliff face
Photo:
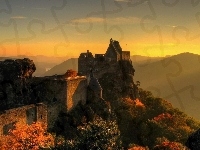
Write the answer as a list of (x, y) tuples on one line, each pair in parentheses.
[(118, 81), (14, 74)]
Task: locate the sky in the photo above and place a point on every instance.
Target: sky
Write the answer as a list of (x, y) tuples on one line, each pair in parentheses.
[(69, 27)]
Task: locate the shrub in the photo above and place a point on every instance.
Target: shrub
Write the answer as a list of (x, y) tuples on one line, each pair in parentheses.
[(30, 137)]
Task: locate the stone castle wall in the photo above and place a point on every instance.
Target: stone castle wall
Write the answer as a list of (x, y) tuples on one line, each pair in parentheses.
[(23, 115), (52, 92), (41, 114), (125, 55), (57, 94), (60, 94), (76, 91), (53, 113), (85, 60), (84, 64), (113, 54)]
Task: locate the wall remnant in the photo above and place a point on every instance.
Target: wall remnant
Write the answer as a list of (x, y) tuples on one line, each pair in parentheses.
[(23, 115), (113, 55), (59, 93)]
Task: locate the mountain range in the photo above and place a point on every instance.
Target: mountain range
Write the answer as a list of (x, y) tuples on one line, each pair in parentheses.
[(175, 79)]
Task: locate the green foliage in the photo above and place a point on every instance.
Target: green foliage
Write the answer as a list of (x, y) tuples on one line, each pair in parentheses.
[(98, 134)]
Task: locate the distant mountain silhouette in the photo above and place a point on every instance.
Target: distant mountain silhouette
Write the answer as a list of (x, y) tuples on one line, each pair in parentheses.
[(138, 59), (63, 67), (175, 78), (73, 64)]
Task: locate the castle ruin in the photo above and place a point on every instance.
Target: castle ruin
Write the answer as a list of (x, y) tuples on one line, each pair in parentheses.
[(43, 98), (24, 115), (59, 93), (114, 54)]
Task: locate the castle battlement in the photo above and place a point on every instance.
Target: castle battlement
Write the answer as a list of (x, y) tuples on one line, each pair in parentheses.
[(114, 53)]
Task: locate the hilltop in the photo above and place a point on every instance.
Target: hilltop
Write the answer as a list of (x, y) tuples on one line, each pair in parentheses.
[(138, 116), (100, 107), (146, 122)]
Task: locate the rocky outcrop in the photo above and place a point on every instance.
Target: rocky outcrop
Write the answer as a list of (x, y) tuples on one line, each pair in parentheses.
[(14, 90), (118, 81), (11, 70)]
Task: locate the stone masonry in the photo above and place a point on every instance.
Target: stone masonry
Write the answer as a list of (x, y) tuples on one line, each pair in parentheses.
[(23, 115)]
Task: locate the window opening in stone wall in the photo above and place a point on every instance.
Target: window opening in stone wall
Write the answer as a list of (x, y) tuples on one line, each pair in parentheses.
[(31, 115), (54, 99), (8, 127)]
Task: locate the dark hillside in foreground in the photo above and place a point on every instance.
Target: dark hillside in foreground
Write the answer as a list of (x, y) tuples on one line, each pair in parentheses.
[(148, 122), (146, 116)]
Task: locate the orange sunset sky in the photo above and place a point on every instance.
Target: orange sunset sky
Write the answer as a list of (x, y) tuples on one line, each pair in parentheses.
[(67, 28)]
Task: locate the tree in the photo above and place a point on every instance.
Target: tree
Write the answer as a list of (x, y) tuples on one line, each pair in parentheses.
[(27, 137), (97, 134)]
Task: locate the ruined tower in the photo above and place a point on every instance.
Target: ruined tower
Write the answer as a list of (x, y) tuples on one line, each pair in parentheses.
[(114, 51), (95, 86), (85, 63)]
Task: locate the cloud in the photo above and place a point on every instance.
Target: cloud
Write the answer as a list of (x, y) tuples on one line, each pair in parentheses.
[(118, 20), (39, 8), (171, 26), (122, 1), (18, 17), (135, 1), (87, 20), (124, 20)]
